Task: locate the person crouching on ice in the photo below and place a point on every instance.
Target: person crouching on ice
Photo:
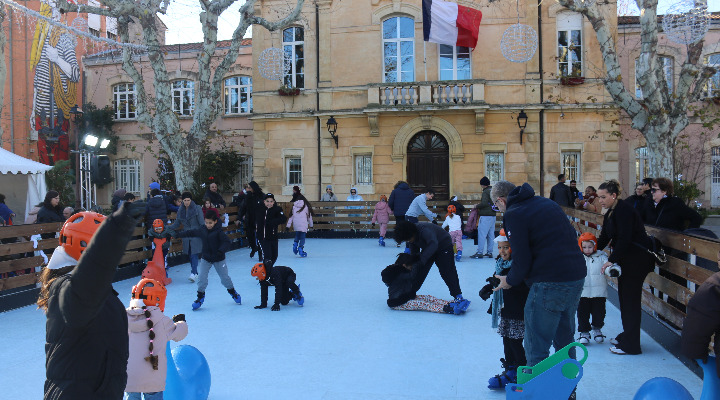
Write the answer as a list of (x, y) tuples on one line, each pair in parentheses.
[(283, 278), (398, 279)]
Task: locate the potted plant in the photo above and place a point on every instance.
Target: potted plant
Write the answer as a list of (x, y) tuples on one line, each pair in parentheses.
[(570, 80), (288, 91)]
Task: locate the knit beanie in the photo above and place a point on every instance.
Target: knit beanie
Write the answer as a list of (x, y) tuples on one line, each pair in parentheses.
[(485, 181)]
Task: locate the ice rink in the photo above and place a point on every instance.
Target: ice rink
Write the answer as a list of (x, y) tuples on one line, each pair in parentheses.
[(345, 343)]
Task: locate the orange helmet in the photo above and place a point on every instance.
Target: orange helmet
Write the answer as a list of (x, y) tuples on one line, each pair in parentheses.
[(158, 223), (258, 271), (78, 230), (451, 209), (151, 292), (587, 237)]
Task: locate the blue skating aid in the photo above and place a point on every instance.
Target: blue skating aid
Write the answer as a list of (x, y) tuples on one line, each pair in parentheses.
[(711, 382), (662, 388), (557, 382), (188, 374)]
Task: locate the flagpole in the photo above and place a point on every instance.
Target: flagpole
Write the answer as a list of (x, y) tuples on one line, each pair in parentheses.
[(425, 59)]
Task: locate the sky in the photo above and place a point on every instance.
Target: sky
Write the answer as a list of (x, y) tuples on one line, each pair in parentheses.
[(183, 20)]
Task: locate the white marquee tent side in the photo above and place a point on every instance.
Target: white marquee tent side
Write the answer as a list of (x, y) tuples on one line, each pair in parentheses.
[(22, 181)]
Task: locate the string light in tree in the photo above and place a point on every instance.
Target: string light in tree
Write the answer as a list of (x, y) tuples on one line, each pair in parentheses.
[(272, 65), (686, 22)]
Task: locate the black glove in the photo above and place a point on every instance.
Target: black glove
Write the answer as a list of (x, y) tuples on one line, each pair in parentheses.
[(275, 307), (135, 209), (373, 224), (261, 306), (434, 221), (178, 317)]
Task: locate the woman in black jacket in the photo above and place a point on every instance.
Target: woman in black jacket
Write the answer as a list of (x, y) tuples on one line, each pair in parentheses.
[(668, 211), (267, 220), (253, 203), (624, 231), (86, 345), (50, 211)]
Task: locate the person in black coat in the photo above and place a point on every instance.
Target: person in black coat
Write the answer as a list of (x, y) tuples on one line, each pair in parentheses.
[(702, 322), (253, 203), (561, 194), (400, 199), (267, 220), (156, 208), (117, 197), (215, 244), (637, 199), (87, 328), (624, 231), (283, 278), (434, 245), (215, 197), (50, 210), (398, 278), (668, 211)]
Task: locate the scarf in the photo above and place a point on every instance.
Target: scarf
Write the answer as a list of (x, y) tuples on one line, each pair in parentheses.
[(497, 297)]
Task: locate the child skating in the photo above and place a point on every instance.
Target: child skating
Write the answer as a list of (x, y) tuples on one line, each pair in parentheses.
[(214, 245), (283, 278), (398, 279), (592, 299), (149, 331), (508, 315), (454, 224), (382, 217), (267, 220), (300, 219)]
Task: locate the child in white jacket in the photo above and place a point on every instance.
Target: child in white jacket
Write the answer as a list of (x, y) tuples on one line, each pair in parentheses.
[(454, 223), (592, 299)]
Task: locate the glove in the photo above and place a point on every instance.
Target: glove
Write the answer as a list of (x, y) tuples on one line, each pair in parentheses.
[(261, 306), (178, 318), (373, 224), (434, 221), (275, 307)]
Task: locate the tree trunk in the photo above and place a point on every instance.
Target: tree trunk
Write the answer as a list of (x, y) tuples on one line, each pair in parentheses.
[(661, 147), (184, 153)]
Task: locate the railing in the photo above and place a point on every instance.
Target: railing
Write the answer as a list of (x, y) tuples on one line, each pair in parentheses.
[(439, 93), (452, 93), (399, 94)]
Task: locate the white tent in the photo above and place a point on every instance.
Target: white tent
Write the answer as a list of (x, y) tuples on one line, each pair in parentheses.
[(22, 181)]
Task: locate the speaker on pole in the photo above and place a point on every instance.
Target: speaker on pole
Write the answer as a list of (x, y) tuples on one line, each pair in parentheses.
[(100, 170)]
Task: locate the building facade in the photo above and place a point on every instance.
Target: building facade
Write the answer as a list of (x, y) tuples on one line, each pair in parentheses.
[(433, 115)]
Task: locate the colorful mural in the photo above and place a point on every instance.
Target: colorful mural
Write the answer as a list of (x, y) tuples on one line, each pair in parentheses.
[(57, 73)]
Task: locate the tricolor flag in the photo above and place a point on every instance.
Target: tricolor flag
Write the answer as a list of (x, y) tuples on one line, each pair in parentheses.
[(450, 23)]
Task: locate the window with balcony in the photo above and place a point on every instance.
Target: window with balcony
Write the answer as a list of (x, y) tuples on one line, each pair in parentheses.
[(398, 35), (713, 84), (238, 95), (183, 97), (495, 166), (454, 63), (124, 98), (668, 71), (570, 46), (570, 165), (294, 47), (293, 169), (127, 175)]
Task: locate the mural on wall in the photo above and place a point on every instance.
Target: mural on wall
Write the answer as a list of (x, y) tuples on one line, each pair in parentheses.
[(54, 86)]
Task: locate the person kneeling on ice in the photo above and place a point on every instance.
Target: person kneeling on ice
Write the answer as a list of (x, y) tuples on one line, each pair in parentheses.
[(507, 310), (399, 280), (150, 330), (214, 245), (434, 246), (283, 278)]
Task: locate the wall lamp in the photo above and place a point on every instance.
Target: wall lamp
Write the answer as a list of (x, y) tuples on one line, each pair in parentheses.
[(332, 128), (522, 119)]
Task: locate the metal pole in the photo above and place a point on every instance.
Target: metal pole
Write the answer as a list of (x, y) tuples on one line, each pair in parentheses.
[(541, 119)]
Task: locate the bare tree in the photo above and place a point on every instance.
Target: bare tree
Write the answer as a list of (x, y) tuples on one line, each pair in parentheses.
[(183, 147), (661, 115), (3, 67)]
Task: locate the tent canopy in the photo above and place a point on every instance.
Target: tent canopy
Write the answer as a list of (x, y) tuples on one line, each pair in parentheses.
[(22, 182), (14, 164)]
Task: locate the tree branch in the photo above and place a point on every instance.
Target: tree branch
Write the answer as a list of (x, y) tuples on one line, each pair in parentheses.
[(273, 26)]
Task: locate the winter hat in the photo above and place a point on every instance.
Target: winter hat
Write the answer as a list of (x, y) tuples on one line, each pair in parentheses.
[(588, 237), (485, 181), (501, 237), (328, 187), (155, 185), (120, 193), (269, 196)]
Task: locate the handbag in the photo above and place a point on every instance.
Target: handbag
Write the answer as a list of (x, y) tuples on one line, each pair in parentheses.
[(655, 249)]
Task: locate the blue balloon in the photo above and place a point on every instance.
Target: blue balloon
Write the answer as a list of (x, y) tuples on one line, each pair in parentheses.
[(662, 389), (188, 376)]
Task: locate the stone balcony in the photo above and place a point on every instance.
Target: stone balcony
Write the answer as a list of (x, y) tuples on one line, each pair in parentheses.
[(437, 94)]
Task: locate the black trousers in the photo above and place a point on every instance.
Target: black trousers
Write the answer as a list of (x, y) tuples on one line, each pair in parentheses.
[(514, 352), (269, 251), (252, 241), (630, 296), (399, 218), (445, 261), (591, 306)]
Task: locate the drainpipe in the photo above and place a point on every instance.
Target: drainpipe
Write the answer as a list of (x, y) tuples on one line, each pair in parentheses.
[(541, 119), (10, 70), (317, 96)]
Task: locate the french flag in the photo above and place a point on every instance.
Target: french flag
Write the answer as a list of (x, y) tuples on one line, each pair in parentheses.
[(450, 23)]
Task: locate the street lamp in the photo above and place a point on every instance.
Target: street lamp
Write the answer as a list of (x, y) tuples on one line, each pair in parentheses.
[(522, 119), (77, 113), (332, 128)]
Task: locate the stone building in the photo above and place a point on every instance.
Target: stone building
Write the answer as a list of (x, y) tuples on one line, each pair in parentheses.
[(433, 115)]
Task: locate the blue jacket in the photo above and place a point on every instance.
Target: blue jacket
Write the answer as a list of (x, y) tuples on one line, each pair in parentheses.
[(544, 243), (214, 242), (156, 209), (400, 199)]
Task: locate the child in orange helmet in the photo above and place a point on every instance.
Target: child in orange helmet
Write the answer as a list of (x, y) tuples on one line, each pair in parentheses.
[(283, 278), (454, 224), (150, 330), (592, 299)]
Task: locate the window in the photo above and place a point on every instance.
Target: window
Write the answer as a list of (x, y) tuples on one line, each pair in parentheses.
[(495, 166), (571, 165), (293, 166), (363, 169), (713, 84), (124, 99), (398, 49), (454, 63), (183, 97), (294, 47), (111, 36), (569, 41), (244, 175), (238, 95), (668, 70), (94, 32), (642, 164), (127, 175)]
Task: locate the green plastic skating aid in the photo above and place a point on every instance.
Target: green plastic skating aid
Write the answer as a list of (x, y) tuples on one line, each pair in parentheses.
[(527, 373), (557, 382)]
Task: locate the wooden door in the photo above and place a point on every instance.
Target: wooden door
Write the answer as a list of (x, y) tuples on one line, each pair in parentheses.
[(428, 164)]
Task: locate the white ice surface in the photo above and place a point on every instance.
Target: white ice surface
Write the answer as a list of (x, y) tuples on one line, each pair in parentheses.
[(345, 343)]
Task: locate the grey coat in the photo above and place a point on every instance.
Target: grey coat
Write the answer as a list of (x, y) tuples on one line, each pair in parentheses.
[(190, 218)]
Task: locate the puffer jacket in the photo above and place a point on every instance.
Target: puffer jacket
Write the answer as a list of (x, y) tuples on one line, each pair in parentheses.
[(141, 376), (300, 220), (400, 199), (267, 221), (156, 209), (214, 242), (382, 213), (399, 282), (595, 283)]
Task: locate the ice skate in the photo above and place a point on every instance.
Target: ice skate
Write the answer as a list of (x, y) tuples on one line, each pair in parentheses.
[(598, 335), (509, 375), (235, 295), (459, 304), (199, 301), (298, 297), (295, 247), (476, 256), (458, 256), (584, 338), (381, 241), (302, 252)]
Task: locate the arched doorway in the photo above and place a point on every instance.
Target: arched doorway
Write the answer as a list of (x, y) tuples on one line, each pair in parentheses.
[(428, 163)]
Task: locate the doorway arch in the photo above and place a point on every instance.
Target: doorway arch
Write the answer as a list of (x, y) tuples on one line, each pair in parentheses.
[(428, 164)]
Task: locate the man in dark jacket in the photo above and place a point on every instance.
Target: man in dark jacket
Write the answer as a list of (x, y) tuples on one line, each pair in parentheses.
[(434, 245), (216, 198), (547, 258), (486, 222), (252, 204), (156, 208), (561, 194), (702, 322), (400, 199)]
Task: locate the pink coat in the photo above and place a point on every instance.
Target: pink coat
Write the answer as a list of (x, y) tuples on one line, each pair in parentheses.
[(300, 220), (382, 213), (141, 376)]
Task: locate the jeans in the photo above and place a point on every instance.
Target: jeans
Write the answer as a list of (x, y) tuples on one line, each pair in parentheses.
[(486, 234), (147, 396), (300, 238), (194, 259), (550, 318)]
